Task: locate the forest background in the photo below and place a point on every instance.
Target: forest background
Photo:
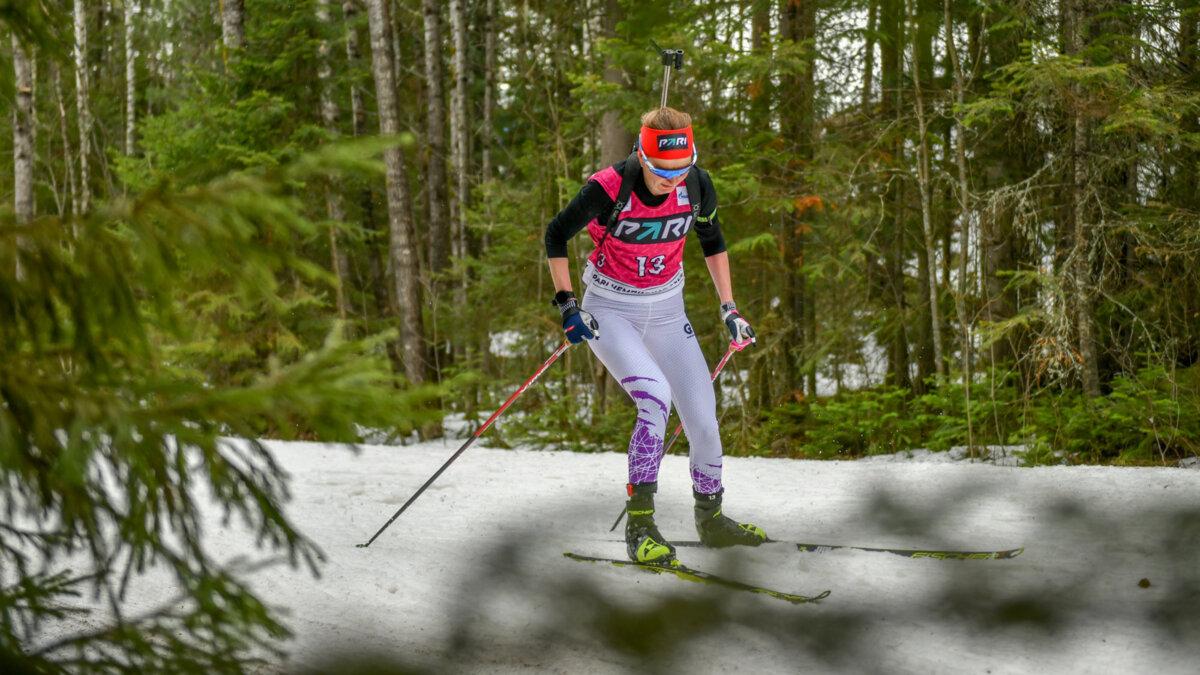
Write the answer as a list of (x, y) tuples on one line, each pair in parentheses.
[(952, 223)]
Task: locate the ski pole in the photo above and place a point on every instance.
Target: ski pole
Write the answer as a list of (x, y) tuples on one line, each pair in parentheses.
[(678, 429), (477, 434)]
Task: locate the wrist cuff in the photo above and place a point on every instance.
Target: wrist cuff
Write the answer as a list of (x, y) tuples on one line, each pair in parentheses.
[(565, 302)]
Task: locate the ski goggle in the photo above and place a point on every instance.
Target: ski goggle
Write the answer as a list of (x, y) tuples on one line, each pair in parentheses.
[(665, 173)]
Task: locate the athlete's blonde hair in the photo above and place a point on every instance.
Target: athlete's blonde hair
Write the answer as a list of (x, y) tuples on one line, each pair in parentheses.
[(666, 118)]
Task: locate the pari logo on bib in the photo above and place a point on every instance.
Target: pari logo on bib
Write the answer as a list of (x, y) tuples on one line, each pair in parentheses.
[(666, 144)]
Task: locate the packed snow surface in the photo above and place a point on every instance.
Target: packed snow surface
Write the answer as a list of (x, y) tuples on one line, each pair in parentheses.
[(471, 578)]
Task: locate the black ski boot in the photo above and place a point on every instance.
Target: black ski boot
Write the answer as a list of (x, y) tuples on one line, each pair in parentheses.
[(642, 538), (718, 530)]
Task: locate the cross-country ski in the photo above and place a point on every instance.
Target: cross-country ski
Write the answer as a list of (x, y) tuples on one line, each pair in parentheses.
[(687, 573)]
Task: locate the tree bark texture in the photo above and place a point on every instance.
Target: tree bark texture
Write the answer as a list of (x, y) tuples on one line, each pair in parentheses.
[(333, 188), (891, 34), (1077, 15), (23, 204), (869, 53), (460, 137), (489, 91), (922, 70), (233, 24), (798, 123), (83, 105), (67, 202), (616, 142), (402, 241), (130, 81), (358, 114), (435, 135)]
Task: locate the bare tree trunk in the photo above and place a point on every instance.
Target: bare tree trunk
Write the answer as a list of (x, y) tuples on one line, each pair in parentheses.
[(233, 24), (376, 265), (130, 81), (798, 125), (869, 58), (460, 160), (333, 188), (23, 134), (402, 253), (460, 138), (1082, 253), (925, 185), (68, 155), (615, 141), (960, 153), (83, 105), (1189, 63), (489, 92), (891, 19), (435, 133)]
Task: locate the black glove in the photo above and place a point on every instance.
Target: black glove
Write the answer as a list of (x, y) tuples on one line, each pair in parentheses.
[(740, 333), (577, 324)]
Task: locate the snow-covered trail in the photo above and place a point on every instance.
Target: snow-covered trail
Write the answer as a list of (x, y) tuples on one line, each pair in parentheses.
[(471, 577)]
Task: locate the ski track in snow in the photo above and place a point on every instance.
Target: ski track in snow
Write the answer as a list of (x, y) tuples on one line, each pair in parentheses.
[(492, 530)]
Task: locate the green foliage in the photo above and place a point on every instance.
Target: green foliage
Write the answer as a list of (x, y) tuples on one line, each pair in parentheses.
[(108, 428), (1147, 419), (204, 303), (860, 423), (1150, 418)]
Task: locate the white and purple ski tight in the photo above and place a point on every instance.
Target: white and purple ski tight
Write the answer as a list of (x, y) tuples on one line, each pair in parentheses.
[(650, 348)]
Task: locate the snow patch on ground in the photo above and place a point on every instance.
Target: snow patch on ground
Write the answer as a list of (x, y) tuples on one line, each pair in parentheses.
[(472, 578), (1000, 455)]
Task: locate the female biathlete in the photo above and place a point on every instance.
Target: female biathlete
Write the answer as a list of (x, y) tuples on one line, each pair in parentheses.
[(634, 280)]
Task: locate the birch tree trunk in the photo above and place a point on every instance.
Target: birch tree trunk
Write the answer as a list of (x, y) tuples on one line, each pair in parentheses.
[(435, 134), (869, 53), (23, 134), (460, 139), (489, 92), (83, 106), (130, 80), (233, 24), (333, 188), (402, 241)]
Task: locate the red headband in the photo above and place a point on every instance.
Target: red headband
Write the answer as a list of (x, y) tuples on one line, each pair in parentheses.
[(667, 143)]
